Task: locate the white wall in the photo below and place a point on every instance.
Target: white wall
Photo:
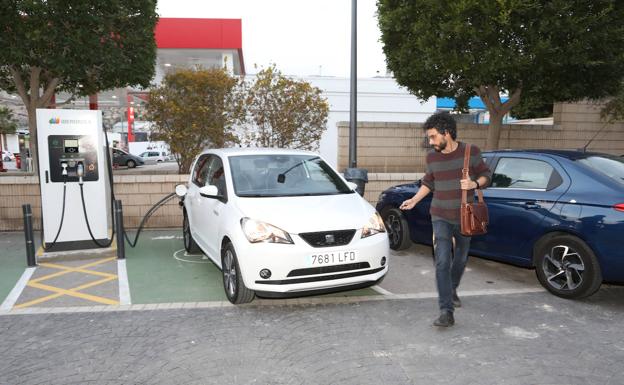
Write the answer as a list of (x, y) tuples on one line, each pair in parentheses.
[(379, 99)]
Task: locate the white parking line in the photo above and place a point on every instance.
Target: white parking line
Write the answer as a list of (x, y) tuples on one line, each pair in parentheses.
[(17, 289), (381, 290), (124, 287)]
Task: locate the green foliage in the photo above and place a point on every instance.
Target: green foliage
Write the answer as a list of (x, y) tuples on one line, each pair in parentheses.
[(88, 46), (566, 49), (284, 113), (8, 124), (194, 109), (80, 47)]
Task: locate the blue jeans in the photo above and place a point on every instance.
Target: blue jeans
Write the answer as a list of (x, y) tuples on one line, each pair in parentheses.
[(449, 265)]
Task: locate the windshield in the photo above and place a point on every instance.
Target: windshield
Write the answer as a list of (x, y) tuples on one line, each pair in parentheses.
[(270, 175), (611, 166)]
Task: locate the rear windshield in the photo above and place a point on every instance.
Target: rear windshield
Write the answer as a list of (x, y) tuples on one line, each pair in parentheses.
[(611, 166)]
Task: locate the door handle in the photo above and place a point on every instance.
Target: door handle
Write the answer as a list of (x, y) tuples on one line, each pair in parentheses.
[(215, 212), (531, 205)]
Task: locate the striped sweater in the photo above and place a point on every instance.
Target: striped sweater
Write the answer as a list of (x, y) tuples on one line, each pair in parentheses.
[(444, 171)]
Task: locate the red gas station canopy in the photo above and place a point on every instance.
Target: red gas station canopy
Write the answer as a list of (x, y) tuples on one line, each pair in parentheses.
[(199, 33)]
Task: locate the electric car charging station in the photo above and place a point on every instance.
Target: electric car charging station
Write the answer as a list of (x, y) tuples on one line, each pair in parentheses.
[(74, 180)]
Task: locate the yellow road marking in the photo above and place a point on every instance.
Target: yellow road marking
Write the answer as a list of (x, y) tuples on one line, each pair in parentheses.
[(73, 292), (67, 269)]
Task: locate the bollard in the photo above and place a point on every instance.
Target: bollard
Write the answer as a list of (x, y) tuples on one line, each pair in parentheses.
[(119, 228), (28, 235)]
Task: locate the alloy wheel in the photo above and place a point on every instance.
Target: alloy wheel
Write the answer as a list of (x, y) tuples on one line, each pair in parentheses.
[(563, 267), (393, 223), (229, 273)]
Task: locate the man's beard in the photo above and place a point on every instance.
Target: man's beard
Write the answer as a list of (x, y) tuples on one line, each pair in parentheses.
[(440, 147)]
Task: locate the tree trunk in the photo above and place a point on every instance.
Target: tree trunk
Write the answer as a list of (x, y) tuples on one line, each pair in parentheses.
[(494, 128), (32, 127)]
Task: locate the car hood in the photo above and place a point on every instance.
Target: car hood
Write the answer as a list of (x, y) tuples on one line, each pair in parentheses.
[(309, 213)]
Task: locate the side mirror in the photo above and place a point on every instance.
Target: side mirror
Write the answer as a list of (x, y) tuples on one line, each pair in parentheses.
[(352, 186), (180, 190), (209, 191)]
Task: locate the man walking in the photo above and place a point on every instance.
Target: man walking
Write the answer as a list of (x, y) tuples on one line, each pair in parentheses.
[(444, 177)]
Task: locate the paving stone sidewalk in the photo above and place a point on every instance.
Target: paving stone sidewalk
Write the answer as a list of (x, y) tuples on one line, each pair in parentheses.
[(533, 338)]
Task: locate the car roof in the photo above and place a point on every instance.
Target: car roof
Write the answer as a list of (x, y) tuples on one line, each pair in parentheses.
[(569, 154), (234, 151)]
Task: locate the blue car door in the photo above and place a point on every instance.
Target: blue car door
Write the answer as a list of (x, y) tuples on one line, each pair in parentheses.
[(523, 190)]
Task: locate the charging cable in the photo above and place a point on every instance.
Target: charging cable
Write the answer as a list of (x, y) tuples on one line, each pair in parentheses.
[(43, 245)]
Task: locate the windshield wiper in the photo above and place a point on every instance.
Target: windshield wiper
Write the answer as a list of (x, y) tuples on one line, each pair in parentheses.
[(281, 178)]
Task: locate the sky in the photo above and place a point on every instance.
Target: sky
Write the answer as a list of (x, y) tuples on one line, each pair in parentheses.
[(302, 37)]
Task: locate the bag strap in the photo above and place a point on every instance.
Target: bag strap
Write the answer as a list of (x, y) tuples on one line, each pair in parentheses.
[(466, 175)]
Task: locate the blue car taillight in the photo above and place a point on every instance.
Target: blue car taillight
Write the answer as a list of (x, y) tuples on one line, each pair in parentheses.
[(619, 207)]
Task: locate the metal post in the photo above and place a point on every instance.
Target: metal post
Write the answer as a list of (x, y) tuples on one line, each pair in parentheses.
[(353, 110), (119, 229), (28, 235)]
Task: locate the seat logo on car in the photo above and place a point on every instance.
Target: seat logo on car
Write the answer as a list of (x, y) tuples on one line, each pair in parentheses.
[(329, 238)]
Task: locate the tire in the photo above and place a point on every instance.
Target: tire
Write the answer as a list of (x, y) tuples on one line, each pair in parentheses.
[(567, 267), (131, 164), (189, 243), (398, 229), (235, 289)]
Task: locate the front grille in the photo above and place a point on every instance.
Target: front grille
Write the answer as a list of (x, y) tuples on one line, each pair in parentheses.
[(328, 269), (328, 238)]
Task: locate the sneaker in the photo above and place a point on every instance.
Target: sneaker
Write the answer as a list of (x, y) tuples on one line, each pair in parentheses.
[(456, 300), (445, 319)]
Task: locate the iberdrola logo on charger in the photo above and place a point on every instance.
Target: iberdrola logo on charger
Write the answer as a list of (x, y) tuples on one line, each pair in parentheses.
[(55, 120)]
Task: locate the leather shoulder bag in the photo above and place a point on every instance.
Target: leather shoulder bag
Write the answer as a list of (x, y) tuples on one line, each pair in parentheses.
[(473, 215)]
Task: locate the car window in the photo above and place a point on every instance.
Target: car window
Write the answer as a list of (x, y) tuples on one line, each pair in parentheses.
[(216, 175), (144, 154), (611, 166), (522, 173), (200, 173), (265, 175)]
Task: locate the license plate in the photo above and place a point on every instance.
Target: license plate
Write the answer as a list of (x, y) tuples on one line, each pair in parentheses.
[(333, 258)]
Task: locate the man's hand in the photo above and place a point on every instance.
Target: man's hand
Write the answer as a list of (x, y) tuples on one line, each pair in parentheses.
[(468, 184), (408, 204)]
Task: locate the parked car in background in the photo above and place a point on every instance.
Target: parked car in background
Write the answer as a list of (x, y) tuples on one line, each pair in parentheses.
[(8, 156), (281, 223), (122, 158), (155, 156), (561, 212)]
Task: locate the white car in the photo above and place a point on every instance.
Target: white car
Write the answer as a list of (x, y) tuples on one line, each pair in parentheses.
[(154, 156), (281, 223)]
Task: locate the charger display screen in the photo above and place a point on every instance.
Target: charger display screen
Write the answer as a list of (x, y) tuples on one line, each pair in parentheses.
[(70, 146)]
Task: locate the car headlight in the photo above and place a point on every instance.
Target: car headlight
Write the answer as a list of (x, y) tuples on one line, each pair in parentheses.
[(374, 226), (257, 231)]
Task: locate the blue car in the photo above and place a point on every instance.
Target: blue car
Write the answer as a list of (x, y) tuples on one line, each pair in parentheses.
[(561, 212)]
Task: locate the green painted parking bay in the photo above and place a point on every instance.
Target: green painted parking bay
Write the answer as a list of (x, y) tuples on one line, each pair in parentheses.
[(160, 271), (12, 261)]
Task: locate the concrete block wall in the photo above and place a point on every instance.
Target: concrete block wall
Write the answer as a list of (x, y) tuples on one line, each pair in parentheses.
[(394, 147), (138, 194)]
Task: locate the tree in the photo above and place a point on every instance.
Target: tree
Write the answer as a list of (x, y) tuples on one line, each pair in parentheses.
[(559, 50), (193, 109), (284, 112), (79, 47)]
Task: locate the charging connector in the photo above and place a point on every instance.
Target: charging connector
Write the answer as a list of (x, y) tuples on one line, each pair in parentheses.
[(80, 172)]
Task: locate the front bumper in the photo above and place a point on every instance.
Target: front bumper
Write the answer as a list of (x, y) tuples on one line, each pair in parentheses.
[(292, 270)]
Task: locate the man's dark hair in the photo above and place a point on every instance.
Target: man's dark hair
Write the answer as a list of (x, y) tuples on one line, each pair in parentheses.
[(443, 122)]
